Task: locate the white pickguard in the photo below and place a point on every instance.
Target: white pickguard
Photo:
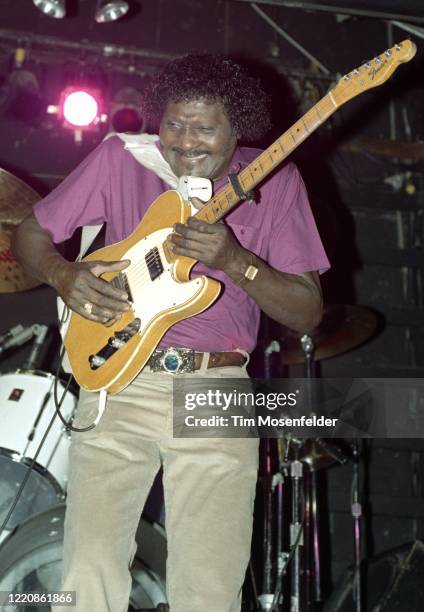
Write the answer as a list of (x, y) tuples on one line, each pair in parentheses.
[(164, 293)]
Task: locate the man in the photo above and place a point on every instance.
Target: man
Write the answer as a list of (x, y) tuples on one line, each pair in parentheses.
[(265, 254)]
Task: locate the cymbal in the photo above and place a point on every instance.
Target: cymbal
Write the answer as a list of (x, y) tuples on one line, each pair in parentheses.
[(343, 327), (16, 201), (16, 198)]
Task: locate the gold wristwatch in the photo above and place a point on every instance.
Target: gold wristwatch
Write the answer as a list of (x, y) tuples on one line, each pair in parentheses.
[(251, 271)]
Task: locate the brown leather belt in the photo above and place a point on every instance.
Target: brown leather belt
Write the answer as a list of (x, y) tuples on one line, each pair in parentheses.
[(180, 360)]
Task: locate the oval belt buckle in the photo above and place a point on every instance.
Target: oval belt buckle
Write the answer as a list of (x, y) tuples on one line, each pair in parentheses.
[(171, 361)]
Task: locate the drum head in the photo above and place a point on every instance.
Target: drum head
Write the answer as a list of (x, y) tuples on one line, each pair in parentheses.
[(40, 491), (31, 560)]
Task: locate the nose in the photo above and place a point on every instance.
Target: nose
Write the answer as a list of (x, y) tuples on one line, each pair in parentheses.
[(188, 139)]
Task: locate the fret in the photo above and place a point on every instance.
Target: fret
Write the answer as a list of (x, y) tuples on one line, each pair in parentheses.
[(222, 202), (229, 195), (249, 169), (304, 124), (318, 113), (280, 144)]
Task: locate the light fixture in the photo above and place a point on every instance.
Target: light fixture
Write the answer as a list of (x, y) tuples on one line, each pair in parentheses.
[(110, 10), (80, 109), (126, 113), (24, 99), (51, 8), (20, 94)]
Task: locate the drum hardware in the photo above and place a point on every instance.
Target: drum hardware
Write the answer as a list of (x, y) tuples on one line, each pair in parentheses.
[(160, 608), (41, 469), (16, 336), (356, 510), (273, 347), (40, 333), (343, 328), (294, 454)]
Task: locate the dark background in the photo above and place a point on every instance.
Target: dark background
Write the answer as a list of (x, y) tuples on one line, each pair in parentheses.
[(363, 170)]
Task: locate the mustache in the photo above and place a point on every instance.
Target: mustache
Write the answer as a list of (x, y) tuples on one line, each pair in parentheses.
[(194, 153)]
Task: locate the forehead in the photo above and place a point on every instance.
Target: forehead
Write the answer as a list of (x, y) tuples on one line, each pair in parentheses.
[(210, 111)]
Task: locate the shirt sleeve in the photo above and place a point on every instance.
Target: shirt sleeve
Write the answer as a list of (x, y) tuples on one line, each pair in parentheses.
[(80, 199), (294, 245)]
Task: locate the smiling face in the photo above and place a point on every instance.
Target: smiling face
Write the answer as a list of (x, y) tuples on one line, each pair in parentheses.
[(197, 138)]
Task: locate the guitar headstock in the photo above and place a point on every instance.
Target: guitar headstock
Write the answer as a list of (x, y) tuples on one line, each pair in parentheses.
[(374, 72)]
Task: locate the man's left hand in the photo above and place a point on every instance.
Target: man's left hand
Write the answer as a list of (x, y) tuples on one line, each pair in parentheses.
[(213, 245)]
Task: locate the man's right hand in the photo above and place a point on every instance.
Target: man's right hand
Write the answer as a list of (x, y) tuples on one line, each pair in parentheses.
[(80, 287)]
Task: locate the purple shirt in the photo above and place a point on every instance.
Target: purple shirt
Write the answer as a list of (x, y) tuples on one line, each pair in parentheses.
[(111, 186)]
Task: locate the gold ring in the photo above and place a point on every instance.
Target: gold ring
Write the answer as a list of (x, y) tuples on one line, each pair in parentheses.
[(88, 307)]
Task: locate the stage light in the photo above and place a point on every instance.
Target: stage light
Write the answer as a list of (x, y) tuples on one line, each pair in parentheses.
[(110, 10), (80, 108), (20, 94), (51, 8), (125, 113), (24, 97)]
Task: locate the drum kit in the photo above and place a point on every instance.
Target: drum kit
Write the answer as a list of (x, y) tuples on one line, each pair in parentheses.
[(30, 547)]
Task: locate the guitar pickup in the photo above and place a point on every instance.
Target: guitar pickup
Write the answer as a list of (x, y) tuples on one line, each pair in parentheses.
[(117, 341), (154, 263)]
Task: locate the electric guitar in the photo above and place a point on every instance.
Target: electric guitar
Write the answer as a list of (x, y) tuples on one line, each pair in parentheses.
[(158, 284)]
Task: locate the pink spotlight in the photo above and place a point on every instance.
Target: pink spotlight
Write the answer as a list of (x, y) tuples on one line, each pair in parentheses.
[(80, 108)]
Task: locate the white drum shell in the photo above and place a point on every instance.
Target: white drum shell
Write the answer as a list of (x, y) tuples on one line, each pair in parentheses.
[(22, 396)]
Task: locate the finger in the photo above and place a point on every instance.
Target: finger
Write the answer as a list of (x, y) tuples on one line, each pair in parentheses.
[(198, 204), (201, 226), (99, 267), (92, 305), (190, 251), (187, 236), (105, 288), (107, 306), (91, 312)]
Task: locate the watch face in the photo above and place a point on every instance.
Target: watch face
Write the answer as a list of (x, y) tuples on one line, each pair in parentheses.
[(251, 272)]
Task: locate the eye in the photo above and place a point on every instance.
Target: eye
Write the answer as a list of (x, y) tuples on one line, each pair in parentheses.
[(207, 130)]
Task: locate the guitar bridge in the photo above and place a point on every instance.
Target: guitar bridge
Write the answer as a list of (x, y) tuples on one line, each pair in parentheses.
[(117, 341)]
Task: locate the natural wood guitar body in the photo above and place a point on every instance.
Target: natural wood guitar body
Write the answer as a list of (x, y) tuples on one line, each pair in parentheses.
[(159, 303)]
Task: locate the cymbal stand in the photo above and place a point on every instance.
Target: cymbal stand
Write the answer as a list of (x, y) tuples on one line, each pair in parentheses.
[(357, 515), (282, 557), (296, 529), (265, 599), (273, 347), (311, 519)]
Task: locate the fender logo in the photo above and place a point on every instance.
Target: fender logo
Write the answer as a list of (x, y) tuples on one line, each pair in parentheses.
[(374, 71)]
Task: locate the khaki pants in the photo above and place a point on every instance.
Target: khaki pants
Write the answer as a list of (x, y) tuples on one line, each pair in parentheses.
[(209, 487)]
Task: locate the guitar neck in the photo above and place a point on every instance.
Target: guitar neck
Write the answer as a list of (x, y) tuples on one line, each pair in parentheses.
[(256, 171)]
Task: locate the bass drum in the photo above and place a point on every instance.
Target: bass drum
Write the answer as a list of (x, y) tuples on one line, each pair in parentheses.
[(31, 560)]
